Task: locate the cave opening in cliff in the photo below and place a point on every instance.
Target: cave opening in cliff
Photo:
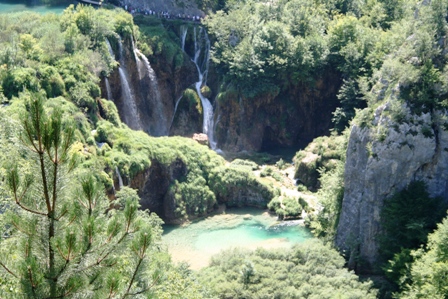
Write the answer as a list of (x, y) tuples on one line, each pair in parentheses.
[(272, 145)]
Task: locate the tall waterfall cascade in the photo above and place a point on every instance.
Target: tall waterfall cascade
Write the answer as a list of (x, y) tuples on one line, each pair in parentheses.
[(160, 123), (108, 89), (130, 111), (112, 56), (120, 179), (201, 60)]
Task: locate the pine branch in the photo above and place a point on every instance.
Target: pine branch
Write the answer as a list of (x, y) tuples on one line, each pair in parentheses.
[(30, 138), (18, 199), (133, 278), (141, 256), (62, 215), (33, 286), (29, 210), (9, 271), (62, 295)]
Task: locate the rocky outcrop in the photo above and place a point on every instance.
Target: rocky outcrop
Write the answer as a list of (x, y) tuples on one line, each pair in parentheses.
[(292, 118), (383, 158), (153, 185), (324, 153), (201, 138)]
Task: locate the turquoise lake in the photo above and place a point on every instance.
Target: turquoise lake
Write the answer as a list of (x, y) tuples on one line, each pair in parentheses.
[(197, 242), (17, 6)]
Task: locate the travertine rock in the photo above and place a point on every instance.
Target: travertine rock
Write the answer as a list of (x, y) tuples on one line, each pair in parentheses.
[(382, 160)]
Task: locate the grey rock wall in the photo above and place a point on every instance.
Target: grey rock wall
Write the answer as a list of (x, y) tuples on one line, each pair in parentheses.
[(382, 160)]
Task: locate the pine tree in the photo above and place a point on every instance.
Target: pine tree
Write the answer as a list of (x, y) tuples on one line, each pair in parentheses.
[(70, 241)]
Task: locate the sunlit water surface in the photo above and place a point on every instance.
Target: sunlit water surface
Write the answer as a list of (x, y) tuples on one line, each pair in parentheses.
[(247, 228)]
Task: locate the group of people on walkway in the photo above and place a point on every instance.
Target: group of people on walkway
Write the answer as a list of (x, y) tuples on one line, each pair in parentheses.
[(162, 14)]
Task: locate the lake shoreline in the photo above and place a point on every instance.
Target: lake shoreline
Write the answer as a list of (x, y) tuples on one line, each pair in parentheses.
[(197, 241)]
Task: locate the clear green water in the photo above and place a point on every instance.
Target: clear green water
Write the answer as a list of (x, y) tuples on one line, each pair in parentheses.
[(17, 6), (246, 235), (247, 228)]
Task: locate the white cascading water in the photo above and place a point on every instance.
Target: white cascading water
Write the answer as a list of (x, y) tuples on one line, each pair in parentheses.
[(112, 55), (137, 60), (108, 90), (174, 113), (120, 180), (183, 35), (202, 42), (109, 47), (161, 123), (130, 111)]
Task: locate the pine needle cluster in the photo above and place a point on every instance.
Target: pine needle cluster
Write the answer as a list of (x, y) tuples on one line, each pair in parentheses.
[(66, 238)]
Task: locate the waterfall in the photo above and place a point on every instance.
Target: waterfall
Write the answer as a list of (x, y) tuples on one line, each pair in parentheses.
[(202, 43), (161, 123), (175, 109), (109, 47), (137, 59), (108, 90), (183, 35), (120, 180), (130, 111), (112, 56)]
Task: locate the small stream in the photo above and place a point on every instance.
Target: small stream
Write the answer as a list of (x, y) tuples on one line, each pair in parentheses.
[(249, 228)]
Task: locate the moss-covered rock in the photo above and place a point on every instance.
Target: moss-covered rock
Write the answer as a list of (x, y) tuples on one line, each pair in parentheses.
[(322, 153)]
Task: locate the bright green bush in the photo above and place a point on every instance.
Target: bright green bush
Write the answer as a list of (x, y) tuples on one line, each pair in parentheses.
[(285, 207), (231, 183), (18, 80), (267, 171), (244, 163), (309, 270)]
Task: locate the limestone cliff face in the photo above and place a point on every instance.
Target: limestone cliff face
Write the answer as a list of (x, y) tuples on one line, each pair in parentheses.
[(381, 160), (153, 185), (292, 118)]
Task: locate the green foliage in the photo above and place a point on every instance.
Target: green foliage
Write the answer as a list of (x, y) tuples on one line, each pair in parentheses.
[(66, 233), (18, 80), (267, 171), (244, 163), (286, 207), (160, 41), (321, 155), (427, 277), (259, 47), (281, 164), (324, 223), (309, 270), (407, 218), (230, 183)]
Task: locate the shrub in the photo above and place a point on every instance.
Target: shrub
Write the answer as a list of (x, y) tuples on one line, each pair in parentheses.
[(267, 171), (407, 218), (308, 270), (244, 163)]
